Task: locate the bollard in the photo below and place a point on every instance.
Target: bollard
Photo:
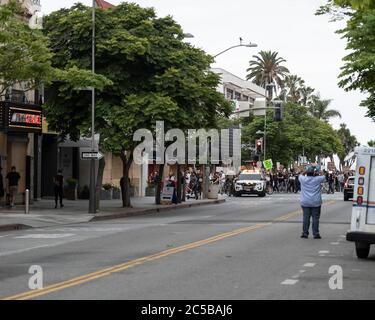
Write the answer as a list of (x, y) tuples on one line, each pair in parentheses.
[(27, 201)]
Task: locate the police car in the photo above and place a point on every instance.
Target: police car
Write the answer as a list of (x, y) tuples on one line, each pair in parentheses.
[(250, 182), (362, 228)]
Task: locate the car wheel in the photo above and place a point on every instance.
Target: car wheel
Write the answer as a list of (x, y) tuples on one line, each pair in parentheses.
[(362, 249)]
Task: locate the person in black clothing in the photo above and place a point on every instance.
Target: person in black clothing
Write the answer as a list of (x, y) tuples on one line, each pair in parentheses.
[(13, 178), (58, 180)]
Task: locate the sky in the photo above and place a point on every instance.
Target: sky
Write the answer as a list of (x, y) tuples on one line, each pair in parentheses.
[(307, 42)]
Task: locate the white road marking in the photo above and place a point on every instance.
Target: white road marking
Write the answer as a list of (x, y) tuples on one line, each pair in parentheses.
[(296, 276), (7, 235), (335, 243), (309, 264), (323, 252), (302, 271), (45, 236), (289, 282)]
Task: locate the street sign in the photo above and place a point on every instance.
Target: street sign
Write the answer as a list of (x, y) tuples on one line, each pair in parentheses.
[(260, 106), (96, 155)]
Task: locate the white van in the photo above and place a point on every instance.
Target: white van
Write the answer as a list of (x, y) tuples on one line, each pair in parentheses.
[(362, 229)]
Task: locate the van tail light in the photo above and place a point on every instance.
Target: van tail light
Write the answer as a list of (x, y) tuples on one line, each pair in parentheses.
[(360, 191), (359, 200)]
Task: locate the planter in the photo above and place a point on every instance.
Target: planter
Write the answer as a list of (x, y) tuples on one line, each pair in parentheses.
[(213, 191), (150, 191), (106, 194), (84, 193), (71, 193), (116, 194)]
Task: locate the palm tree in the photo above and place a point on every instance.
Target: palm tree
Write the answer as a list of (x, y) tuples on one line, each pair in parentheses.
[(319, 108), (266, 69), (306, 95), (292, 88)]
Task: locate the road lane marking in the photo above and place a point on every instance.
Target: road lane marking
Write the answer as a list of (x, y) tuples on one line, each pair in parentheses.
[(45, 236), (289, 282), (323, 252), (133, 263), (335, 243), (309, 264)]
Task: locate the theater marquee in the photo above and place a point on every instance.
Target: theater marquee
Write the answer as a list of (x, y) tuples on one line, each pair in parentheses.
[(20, 117)]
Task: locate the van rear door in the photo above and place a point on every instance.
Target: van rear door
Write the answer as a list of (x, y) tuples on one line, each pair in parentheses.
[(371, 193)]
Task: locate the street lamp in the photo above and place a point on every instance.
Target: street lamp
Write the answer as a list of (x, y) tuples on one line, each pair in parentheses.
[(249, 45)]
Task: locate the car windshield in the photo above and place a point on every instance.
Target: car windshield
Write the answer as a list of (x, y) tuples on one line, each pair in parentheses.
[(250, 177)]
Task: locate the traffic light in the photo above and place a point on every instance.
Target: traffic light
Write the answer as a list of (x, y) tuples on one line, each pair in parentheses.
[(278, 113), (259, 146)]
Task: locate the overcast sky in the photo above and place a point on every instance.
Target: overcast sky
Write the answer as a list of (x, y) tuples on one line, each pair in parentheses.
[(308, 42)]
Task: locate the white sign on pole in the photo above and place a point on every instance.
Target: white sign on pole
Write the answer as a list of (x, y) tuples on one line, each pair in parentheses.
[(243, 108), (260, 106), (96, 155)]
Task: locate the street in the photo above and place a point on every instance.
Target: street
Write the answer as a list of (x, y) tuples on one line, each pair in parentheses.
[(245, 248)]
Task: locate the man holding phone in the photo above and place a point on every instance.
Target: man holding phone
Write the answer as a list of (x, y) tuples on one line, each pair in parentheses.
[(311, 199)]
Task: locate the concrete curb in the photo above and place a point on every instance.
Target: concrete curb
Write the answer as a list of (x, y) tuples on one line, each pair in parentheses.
[(139, 212), (13, 227)]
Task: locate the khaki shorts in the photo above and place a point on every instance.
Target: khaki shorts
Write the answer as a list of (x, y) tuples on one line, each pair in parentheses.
[(13, 190)]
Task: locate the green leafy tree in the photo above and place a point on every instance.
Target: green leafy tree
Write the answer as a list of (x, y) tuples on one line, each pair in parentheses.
[(298, 133), (357, 73), (25, 59), (266, 68), (371, 143), (348, 141), (155, 76)]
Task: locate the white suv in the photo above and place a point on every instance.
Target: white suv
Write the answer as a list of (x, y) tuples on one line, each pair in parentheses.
[(250, 182)]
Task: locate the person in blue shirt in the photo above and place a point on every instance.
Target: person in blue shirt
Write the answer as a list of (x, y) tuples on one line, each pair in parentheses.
[(311, 200)]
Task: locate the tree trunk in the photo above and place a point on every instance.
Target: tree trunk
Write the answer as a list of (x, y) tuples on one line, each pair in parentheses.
[(99, 181), (159, 184), (125, 186)]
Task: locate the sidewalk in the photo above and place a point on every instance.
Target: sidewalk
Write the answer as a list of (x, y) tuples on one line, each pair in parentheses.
[(43, 213)]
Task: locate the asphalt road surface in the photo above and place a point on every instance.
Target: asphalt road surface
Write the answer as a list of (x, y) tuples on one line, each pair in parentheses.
[(246, 248)]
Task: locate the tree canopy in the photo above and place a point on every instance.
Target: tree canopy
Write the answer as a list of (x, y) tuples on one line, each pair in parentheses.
[(358, 71), (25, 59), (154, 76)]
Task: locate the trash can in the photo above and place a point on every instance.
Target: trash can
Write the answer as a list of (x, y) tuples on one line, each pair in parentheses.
[(213, 191)]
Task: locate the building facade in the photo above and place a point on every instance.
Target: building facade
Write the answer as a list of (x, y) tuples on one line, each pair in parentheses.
[(21, 125)]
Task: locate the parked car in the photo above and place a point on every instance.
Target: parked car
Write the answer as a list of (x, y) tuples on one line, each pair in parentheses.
[(349, 188)]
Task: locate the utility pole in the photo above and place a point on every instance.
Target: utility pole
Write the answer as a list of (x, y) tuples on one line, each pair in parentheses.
[(92, 201)]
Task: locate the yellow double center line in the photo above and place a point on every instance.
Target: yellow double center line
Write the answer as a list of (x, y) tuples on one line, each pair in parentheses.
[(133, 263)]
